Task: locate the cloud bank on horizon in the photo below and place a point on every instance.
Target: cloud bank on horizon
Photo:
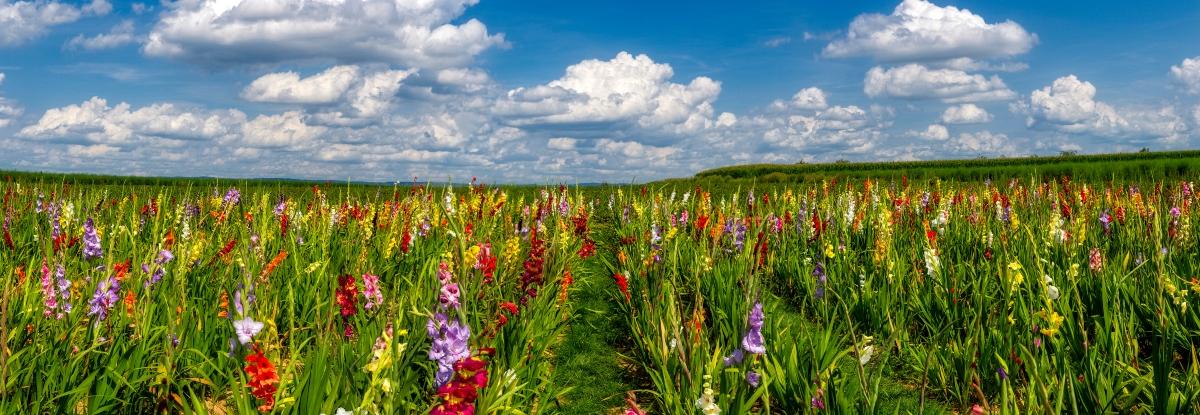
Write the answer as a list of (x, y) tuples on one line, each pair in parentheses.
[(392, 89)]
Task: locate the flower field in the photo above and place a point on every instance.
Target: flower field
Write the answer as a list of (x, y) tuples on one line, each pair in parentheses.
[(853, 296)]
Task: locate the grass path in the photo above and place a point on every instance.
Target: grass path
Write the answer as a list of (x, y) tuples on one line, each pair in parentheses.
[(895, 396), (590, 360)]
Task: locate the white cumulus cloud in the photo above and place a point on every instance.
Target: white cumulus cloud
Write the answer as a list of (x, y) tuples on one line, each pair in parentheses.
[(9, 110), (280, 130), (918, 30), (984, 143), (22, 21), (915, 81), (95, 121), (1187, 74), (1069, 105), (561, 143), (634, 149), (357, 93), (966, 114), (119, 35), (420, 34), (626, 89), (935, 132), (811, 98)]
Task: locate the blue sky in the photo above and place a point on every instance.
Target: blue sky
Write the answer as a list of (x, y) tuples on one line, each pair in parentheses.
[(544, 91)]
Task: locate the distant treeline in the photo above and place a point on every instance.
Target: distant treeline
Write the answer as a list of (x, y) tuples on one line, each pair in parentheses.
[(1140, 165)]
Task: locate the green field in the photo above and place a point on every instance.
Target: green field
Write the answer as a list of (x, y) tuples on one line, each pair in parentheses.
[(1047, 285)]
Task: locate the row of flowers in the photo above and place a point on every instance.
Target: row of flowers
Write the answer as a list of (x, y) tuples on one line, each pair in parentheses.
[(442, 301), (1006, 297)]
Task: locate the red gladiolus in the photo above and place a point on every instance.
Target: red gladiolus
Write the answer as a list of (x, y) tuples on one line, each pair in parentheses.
[(509, 307), (458, 396), (622, 284), (501, 318), (282, 255), (347, 295), (59, 241), (122, 269), (8, 239), (405, 242), (818, 226), (486, 262), (263, 379), (566, 286), (283, 224), (227, 249), (588, 249), (347, 300), (581, 223), (532, 277)]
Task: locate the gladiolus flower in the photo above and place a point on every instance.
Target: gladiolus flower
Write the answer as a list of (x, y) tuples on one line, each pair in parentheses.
[(622, 284), (262, 379)]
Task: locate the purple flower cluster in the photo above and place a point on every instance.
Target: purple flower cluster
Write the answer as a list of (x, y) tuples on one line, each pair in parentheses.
[(105, 298), (91, 241), (753, 343), (164, 256), (54, 289), (737, 230), (450, 345), (55, 225), (232, 196), (819, 273)]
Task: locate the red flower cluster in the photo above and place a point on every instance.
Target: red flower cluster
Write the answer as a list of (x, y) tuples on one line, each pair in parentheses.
[(581, 223), (622, 284), (567, 280), (532, 277), (347, 295), (502, 319), (225, 251), (283, 224), (459, 394), (405, 242), (263, 379), (347, 300), (486, 262), (121, 270), (588, 249)]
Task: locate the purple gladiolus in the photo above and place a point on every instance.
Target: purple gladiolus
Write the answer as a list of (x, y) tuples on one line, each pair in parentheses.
[(752, 378), (735, 358), (104, 299), (232, 196), (450, 339), (819, 273), (91, 241), (753, 342), (64, 289), (246, 329)]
